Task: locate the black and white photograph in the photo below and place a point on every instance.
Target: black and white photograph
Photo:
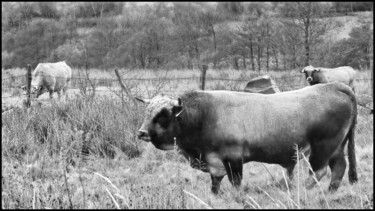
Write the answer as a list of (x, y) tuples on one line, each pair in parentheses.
[(187, 105)]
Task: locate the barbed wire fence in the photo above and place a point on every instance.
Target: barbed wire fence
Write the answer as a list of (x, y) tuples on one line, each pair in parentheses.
[(284, 83), (149, 87)]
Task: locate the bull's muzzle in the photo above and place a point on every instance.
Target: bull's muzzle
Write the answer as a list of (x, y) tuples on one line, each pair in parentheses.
[(309, 79), (143, 135)]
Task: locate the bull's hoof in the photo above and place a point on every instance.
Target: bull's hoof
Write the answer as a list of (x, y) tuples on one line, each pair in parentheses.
[(215, 190), (333, 187)]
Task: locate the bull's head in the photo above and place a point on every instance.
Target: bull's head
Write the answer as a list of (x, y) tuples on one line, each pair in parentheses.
[(309, 72), (160, 125)]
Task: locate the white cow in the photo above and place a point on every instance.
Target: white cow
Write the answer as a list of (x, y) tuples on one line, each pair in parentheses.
[(316, 75), (51, 77)]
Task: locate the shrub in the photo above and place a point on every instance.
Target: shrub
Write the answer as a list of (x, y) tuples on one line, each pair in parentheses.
[(99, 126)]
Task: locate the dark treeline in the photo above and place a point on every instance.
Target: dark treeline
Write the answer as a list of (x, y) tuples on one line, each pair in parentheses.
[(240, 35)]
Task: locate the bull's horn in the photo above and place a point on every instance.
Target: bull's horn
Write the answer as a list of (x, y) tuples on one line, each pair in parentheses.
[(143, 100), (303, 70), (177, 102), (179, 113)]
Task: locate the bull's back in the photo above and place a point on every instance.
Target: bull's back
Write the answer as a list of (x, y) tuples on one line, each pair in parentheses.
[(266, 112), (273, 124)]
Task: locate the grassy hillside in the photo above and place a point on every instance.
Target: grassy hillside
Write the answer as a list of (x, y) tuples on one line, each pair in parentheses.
[(345, 24)]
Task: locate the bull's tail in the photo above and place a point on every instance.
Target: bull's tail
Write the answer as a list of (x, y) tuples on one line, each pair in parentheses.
[(353, 177)]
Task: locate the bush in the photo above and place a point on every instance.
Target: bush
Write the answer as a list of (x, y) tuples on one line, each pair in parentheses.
[(97, 9), (35, 43), (353, 51), (80, 126), (6, 59), (48, 10), (71, 52)]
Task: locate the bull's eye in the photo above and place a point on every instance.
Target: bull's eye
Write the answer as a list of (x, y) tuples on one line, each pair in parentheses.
[(162, 118), (163, 122)]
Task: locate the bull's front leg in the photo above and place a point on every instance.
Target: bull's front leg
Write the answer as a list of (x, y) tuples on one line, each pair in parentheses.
[(217, 170), (234, 171), (216, 180)]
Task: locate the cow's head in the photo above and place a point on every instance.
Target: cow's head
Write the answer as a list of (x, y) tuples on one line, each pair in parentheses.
[(160, 125), (309, 72), (36, 91)]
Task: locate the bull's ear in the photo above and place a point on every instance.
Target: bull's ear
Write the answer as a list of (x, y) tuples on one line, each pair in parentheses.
[(177, 109), (143, 100), (318, 69), (303, 70)]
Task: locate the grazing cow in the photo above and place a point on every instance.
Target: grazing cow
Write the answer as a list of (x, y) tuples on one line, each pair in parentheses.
[(51, 77), (225, 129), (317, 75), (262, 84)]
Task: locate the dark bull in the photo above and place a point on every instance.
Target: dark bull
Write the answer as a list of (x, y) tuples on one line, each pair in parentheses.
[(224, 129)]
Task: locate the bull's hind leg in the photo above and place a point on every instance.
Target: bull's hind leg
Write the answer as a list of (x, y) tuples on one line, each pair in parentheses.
[(318, 161), (284, 183), (337, 164)]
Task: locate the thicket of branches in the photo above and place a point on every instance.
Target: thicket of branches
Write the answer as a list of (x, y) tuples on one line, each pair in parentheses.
[(254, 35)]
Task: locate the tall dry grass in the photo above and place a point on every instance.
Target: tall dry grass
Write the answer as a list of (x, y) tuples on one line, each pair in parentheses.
[(83, 153)]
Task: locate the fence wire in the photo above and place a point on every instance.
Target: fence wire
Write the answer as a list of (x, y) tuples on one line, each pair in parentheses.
[(8, 84), (282, 81), (282, 78)]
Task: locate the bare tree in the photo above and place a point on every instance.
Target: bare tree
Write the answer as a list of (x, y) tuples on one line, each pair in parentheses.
[(209, 18), (311, 21)]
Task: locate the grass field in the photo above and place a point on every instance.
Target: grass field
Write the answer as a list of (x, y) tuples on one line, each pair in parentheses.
[(83, 153)]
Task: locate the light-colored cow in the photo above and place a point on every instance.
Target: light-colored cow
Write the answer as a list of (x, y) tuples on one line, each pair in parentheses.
[(51, 77), (317, 75)]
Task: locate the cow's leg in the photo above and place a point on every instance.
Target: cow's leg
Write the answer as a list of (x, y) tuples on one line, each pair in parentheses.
[(59, 93), (234, 171), (337, 164), (216, 180), (51, 94), (65, 92)]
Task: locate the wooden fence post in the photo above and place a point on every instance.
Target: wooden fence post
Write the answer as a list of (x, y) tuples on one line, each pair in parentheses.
[(372, 85), (203, 75), (28, 101)]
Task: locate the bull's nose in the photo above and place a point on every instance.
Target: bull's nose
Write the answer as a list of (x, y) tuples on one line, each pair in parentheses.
[(143, 135), (309, 79)]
